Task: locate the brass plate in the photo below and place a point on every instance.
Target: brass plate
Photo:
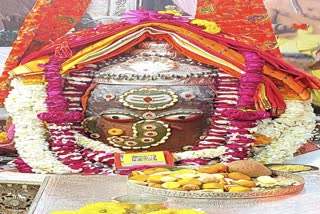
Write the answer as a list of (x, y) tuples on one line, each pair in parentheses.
[(291, 167), (279, 191)]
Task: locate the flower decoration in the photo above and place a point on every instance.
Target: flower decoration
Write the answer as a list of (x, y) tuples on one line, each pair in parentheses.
[(72, 153), (288, 132), (227, 96), (53, 117), (172, 12), (239, 141), (177, 211), (105, 207), (3, 137), (261, 139), (210, 27), (65, 212), (120, 208), (137, 16), (58, 107), (23, 104), (203, 153), (171, 9), (238, 114)]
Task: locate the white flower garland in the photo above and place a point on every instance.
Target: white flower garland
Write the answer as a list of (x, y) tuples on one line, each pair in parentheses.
[(291, 130), (99, 146), (23, 104), (203, 153), (288, 132)]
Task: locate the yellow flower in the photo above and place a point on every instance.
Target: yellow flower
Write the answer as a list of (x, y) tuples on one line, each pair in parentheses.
[(3, 137), (177, 211), (65, 212), (103, 207), (172, 12), (210, 27)]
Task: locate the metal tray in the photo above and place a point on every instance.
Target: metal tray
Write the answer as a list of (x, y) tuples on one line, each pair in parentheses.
[(288, 167), (278, 191)]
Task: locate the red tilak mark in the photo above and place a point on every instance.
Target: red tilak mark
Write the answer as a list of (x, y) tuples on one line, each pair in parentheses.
[(147, 99)]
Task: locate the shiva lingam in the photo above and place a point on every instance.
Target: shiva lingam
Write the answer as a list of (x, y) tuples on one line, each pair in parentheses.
[(150, 99)]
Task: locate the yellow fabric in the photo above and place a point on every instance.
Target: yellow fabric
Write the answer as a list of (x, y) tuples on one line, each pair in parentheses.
[(316, 93), (82, 55), (305, 41), (261, 99), (295, 85), (106, 46), (31, 67)]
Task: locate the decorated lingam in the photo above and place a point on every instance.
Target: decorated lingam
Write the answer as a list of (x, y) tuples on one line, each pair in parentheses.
[(150, 102)]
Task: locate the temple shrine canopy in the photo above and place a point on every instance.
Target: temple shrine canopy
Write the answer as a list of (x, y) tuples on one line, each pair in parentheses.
[(160, 74)]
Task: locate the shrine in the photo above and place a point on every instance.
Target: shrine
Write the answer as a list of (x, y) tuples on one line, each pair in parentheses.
[(166, 103)]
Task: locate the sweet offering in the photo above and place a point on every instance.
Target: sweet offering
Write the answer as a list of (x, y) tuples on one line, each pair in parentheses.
[(214, 178), (291, 167), (158, 82)]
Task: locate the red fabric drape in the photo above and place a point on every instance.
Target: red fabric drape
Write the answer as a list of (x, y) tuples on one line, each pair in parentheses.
[(246, 21), (47, 21)]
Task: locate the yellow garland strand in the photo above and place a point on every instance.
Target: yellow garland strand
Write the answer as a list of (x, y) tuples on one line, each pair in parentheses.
[(172, 12), (118, 208), (3, 137), (210, 27), (176, 211)]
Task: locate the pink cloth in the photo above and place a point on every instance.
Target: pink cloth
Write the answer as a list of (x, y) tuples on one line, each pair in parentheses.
[(188, 6)]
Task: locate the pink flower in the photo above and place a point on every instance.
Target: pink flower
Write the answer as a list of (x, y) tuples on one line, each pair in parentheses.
[(238, 114), (93, 170), (57, 105), (53, 117), (74, 116), (22, 166), (137, 16), (54, 92), (54, 87)]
